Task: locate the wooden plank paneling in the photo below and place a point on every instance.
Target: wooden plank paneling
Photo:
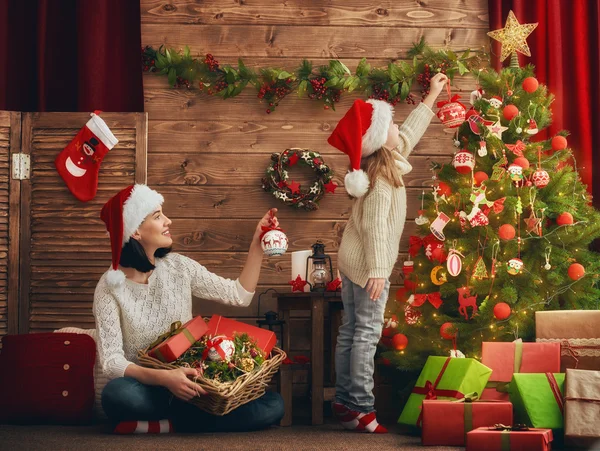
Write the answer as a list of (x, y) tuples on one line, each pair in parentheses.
[(256, 136), (441, 13), (188, 105), (49, 277), (10, 138), (302, 41), (211, 169)]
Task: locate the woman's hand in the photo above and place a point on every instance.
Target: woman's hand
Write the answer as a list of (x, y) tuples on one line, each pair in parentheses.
[(178, 382), (265, 221), (375, 288)]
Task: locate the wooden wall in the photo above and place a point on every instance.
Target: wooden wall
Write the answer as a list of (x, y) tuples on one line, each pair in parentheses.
[(206, 155)]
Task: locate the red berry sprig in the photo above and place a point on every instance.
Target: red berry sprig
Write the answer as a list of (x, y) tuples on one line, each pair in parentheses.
[(424, 79), (274, 91), (211, 62), (330, 95)]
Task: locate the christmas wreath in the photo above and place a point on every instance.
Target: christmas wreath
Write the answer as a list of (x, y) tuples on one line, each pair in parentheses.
[(276, 180), (221, 358)]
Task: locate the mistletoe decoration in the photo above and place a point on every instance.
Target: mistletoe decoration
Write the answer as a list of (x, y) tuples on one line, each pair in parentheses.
[(325, 84), (246, 358), (277, 179)]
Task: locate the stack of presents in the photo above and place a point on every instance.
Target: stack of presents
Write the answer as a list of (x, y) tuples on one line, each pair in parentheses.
[(521, 396)]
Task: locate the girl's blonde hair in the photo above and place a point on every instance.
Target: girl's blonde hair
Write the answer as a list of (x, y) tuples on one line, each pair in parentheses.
[(381, 164)]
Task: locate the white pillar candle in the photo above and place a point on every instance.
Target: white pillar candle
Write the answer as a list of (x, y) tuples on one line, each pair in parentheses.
[(299, 266)]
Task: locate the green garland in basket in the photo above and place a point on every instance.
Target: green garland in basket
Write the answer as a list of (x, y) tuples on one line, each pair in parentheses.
[(246, 358), (276, 180)]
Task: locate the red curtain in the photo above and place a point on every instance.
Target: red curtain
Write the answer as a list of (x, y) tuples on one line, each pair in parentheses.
[(70, 55), (565, 49)]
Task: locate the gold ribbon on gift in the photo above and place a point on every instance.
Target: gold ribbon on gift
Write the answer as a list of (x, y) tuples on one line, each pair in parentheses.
[(505, 433), (502, 387), (468, 400), (175, 329)]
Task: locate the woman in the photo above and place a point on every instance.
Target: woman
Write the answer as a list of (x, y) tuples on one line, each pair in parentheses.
[(147, 289)]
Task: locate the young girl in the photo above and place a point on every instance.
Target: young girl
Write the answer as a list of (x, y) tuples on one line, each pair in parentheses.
[(147, 289), (371, 241)]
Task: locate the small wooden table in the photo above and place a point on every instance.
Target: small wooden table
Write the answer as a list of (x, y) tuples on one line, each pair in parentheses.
[(315, 302)]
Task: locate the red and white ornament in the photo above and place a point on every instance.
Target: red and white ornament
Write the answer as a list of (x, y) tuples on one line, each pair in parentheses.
[(274, 243), (391, 322), (482, 151), (451, 112), (454, 263), (532, 129), (540, 178), (411, 315), (220, 348), (463, 162)]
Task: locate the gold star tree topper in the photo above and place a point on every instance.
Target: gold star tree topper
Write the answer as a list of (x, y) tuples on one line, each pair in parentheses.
[(513, 36)]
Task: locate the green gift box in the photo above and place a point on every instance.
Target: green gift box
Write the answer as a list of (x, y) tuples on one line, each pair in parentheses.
[(444, 378), (538, 399)]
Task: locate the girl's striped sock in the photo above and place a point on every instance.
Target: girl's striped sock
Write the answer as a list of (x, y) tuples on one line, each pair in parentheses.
[(144, 427), (357, 421)]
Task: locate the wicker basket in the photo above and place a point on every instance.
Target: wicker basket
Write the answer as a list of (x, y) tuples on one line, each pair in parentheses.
[(223, 397)]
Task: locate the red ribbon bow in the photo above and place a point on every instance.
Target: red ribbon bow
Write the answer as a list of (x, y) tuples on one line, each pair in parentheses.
[(453, 99), (498, 207), (573, 350), (271, 225), (214, 343), (414, 244), (434, 299)]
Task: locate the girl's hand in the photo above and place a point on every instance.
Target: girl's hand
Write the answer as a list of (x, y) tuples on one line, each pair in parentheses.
[(437, 83), (265, 222), (375, 288), (178, 382)]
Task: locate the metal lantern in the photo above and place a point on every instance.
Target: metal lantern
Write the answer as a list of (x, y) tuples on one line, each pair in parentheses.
[(322, 269)]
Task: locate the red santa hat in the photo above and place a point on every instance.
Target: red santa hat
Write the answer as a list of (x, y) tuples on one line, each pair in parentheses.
[(361, 132), (123, 214)]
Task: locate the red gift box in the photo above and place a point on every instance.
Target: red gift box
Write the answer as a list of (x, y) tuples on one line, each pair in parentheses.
[(265, 339), (172, 344), (516, 357), (492, 439), (447, 422), (47, 378)]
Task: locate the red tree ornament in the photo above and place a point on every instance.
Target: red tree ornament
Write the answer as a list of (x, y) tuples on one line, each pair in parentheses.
[(530, 84), (510, 111), (444, 189), (480, 177), (522, 161), (452, 112), (576, 271), (565, 218), (447, 332), (506, 232), (559, 143), (501, 310), (400, 341)]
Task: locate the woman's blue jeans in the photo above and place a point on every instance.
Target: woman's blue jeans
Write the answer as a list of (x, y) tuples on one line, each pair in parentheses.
[(126, 399)]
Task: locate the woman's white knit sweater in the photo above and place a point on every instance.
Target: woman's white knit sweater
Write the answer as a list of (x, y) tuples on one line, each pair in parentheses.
[(132, 317), (371, 239)]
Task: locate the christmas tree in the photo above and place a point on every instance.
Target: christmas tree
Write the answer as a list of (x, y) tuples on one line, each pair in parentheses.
[(505, 231)]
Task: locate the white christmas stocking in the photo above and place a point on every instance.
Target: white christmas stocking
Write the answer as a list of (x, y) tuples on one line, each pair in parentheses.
[(78, 163), (438, 225)]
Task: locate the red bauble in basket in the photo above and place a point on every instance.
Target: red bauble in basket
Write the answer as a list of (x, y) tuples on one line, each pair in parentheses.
[(463, 162)]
